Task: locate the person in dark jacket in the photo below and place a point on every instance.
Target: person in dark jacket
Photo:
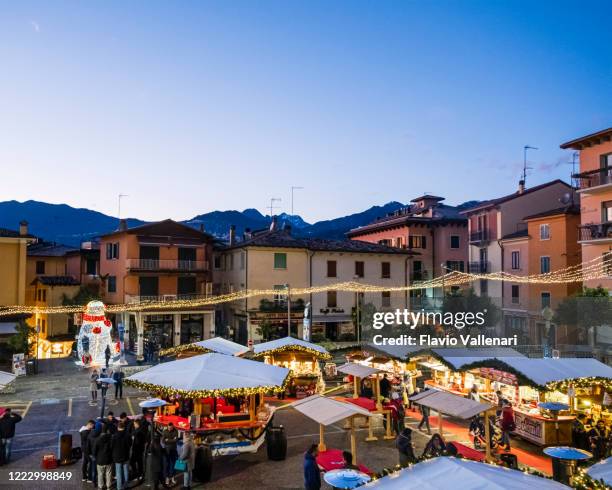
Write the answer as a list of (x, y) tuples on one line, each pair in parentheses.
[(89, 449), (385, 387), (434, 447), (170, 440), (156, 462), (103, 453), (347, 459), (121, 444), (312, 477), (118, 376), (84, 432), (107, 355), (405, 448), (424, 419), (7, 431), (111, 423), (139, 441)]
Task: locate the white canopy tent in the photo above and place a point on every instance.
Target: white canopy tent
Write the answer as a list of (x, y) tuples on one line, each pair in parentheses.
[(287, 342), (446, 473), (463, 356), (6, 379), (602, 471), (214, 344)]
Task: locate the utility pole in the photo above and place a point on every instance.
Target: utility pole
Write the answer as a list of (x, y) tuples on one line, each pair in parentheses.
[(288, 310), (119, 204), (273, 206), (293, 188), (525, 167)]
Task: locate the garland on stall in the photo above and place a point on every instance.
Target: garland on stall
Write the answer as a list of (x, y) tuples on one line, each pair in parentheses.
[(587, 382), (171, 351), (582, 481), (324, 356)]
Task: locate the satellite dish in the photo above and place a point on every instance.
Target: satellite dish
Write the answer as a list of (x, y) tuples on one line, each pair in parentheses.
[(566, 198)]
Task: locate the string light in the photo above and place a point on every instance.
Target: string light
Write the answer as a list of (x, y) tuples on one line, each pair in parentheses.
[(597, 268), (185, 347), (293, 348)]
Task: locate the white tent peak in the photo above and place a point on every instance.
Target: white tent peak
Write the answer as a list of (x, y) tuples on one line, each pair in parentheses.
[(261, 349)]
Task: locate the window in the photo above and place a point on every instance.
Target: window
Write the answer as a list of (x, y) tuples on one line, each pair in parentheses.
[(455, 265), (605, 161), (455, 241), (545, 300), (186, 285), (331, 268), (231, 262), (544, 265), (386, 298), (217, 262), (544, 232), (111, 285), (91, 267), (516, 260), (332, 299), (148, 285), (515, 294), (417, 241), (112, 251), (280, 298), (607, 263), (399, 242), (385, 270), (484, 287), (41, 295), (280, 260), (386, 242), (40, 267), (359, 268), (43, 323), (606, 211)]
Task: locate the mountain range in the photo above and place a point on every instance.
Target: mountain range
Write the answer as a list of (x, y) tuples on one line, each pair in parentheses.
[(64, 224)]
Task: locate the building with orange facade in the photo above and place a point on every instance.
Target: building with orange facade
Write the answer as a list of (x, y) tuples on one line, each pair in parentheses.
[(158, 262), (595, 188)]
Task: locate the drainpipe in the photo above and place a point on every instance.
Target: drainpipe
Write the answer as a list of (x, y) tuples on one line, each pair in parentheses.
[(501, 247)]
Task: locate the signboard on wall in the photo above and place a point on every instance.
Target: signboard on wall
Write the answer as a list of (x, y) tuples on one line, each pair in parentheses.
[(19, 365)]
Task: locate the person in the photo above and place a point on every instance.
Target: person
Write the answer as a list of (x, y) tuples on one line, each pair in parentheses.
[(104, 459), (347, 458), (169, 441), (7, 431), (107, 356), (500, 402), (477, 431), (93, 385), (434, 447), (579, 433), (598, 439), (89, 449), (385, 387), (188, 455), (312, 477), (111, 423), (473, 394), (425, 419), (139, 438), (121, 444), (126, 421), (507, 423), (156, 462), (84, 432), (366, 388), (404, 446), (118, 376)]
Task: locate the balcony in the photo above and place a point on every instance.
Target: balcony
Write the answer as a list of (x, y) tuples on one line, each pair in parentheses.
[(134, 299), (170, 265), (420, 276), (479, 267), (594, 180), (596, 233), (480, 236)]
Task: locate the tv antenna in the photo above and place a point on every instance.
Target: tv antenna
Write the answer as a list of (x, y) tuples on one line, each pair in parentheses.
[(273, 206), (525, 167)]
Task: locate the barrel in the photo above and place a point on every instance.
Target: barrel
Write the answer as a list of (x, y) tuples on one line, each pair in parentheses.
[(563, 470), (276, 443), (65, 448), (509, 460), (202, 470)]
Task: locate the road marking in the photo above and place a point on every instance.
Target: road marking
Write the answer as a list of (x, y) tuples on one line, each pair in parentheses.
[(44, 433), (27, 408), (33, 448), (69, 407), (129, 402)]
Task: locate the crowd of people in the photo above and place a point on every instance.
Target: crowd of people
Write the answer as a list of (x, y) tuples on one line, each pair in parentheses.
[(591, 436), (95, 385)]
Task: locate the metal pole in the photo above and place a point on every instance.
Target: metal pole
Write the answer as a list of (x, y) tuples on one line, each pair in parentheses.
[(288, 311)]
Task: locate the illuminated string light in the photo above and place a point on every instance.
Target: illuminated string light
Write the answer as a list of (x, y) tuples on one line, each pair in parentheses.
[(294, 348), (593, 269)]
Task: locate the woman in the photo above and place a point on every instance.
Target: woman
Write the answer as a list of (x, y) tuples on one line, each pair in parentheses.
[(93, 385), (435, 447), (156, 454), (188, 455), (405, 448), (507, 423), (312, 477)]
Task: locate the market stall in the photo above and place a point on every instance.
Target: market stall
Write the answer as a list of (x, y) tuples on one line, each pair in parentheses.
[(301, 357), (224, 395), (601, 471), (214, 344)]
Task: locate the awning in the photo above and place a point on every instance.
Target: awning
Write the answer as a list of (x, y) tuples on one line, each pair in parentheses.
[(327, 411), (6, 378), (450, 404), (358, 370), (290, 343), (446, 473), (211, 375), (215, 344), (602, 471)]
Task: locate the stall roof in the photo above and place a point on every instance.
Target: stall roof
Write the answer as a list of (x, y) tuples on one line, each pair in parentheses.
[(446, 473), (450, 404), (223, 346), (358, 370), (327, 411), (400, 352), (459, 357), (288, 342), (602, 471), (211, 375), (6, 378)]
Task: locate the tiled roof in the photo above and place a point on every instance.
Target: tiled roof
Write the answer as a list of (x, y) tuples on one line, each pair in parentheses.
[(57, 281), (516, 234), (571, 209), (165, 228), (577, 143), (46, 249), (427, 196), (6, 233)]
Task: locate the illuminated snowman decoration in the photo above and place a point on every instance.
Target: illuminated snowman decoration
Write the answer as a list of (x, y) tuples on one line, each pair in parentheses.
[(95, 335)]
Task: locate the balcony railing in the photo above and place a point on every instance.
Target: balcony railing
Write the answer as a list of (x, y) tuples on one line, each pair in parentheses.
[(480, 236), (167, 264), (479, 267), (595, 231), (419, 276), (594, 178), (163, 298)]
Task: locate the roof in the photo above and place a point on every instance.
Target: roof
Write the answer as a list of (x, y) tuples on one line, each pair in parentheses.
[(56, 281), (165, 228), (211, 375), (459, 357), (570, 209), (514, 195), (517, 234), (358, 370), (48, 249), (327, 411), (288, 342), (449, 404), (6, 233), (427, 196), (602, 471), (223, 346), (588, 140), (445, 473), (283, 239)]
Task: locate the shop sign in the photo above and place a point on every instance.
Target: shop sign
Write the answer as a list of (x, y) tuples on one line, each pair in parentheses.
[(529, 428)]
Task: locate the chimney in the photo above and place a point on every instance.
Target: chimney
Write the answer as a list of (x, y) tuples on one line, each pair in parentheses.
[(232, 235), (247, 234), (287, 228), (23, 228), (202, 228), (122, 225), (521, 187), (273, 223)]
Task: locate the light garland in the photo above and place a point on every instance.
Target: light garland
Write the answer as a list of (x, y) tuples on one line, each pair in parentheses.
[(185, 347), (294, 348), (588, 382), (591, 270), (582, 481)]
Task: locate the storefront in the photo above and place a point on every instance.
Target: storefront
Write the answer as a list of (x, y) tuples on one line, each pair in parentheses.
[(192, 328)]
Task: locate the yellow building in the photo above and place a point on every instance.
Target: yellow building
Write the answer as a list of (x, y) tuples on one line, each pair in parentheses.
[(13, 246)]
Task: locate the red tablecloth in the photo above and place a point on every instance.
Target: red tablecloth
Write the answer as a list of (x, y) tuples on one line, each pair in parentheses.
[(332, 460), (366, 403), (467, 452), (179, 422)]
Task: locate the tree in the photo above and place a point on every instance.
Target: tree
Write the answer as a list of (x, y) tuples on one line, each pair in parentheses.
[(23, 339), (264, 330)]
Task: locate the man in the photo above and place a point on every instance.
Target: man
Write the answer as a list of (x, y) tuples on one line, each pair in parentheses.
[(424, 419), (118, 376), (169, 441), (111, 423), (7, 431), (188, 455), (89, 449), (104, 459), (126, 422), (507, 424), (598, 437), (84, 432), (385, 387), (312, 477), (405, 447), (139, 439), (107, 355), (347, 458), (120, 446)]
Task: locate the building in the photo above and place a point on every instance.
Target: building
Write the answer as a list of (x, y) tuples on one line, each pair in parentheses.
[(84, 264), (436, 231), (595, 189), (491, 221), (13, 245), (158, 262), (275, 259)]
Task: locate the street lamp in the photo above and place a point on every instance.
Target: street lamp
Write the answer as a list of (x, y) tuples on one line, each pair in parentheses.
[(288, 310), (105, 382)]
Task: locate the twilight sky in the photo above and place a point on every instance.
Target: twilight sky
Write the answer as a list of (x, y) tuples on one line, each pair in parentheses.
[(189, 107)]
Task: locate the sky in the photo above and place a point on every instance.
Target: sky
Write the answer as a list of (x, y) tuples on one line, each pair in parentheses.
[(188, 107)]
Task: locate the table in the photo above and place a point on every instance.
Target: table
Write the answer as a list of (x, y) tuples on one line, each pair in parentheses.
[(467, 452), (362, 402), (332, 460)]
